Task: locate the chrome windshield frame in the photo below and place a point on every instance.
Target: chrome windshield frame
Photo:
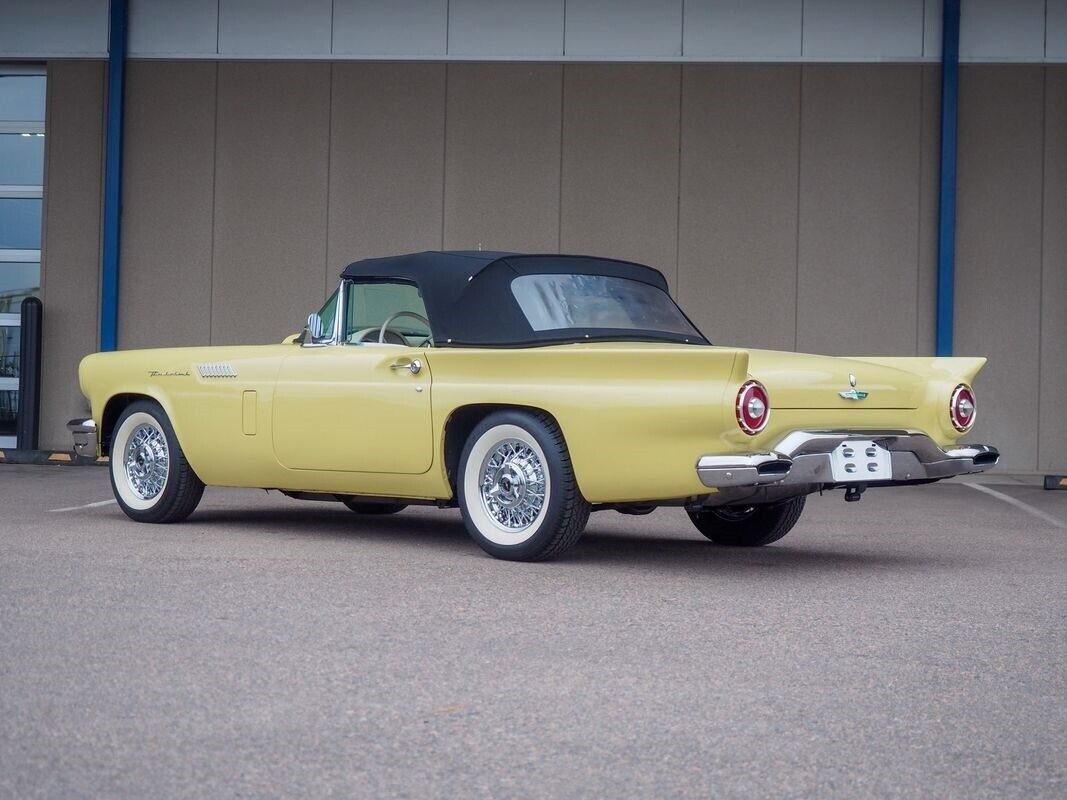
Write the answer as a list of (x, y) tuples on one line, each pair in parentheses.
[(336, 334)]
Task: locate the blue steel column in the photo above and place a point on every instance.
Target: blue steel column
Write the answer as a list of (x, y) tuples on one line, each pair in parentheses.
[(946, 228), (109, 279)]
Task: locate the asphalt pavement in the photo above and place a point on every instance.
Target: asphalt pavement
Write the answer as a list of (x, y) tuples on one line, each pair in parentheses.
[(910, 645)]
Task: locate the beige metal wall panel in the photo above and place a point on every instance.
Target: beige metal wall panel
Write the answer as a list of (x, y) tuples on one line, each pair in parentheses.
[(502, 162), (275, 28), (843, 29), (70, 268), (270, 199), (390, 27), (168, 182), (737, 240), (620, 162), (624, 28), (932, 29), (998, 250), (859, 223), (1056, 30), (1052, 439), (1002, 29), (164, 27), (749, 30), (505, 28), (386, 161), (928, 210), (53, 29)]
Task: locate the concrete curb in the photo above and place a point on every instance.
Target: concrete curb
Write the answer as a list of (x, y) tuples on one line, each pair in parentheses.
[(58, 458)]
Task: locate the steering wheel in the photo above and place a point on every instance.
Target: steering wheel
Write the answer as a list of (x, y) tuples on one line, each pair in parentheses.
[(393, 336), (409, 314)]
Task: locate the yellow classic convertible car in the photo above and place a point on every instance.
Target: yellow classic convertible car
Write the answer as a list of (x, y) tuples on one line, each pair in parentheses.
[(528, 390)]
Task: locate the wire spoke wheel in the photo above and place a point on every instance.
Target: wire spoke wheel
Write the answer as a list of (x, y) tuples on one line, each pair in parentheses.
[(513, 484), (516, 487), (150, 474), (146, 461)]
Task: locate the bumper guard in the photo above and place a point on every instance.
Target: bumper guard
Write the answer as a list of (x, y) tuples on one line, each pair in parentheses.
[(85, 439)]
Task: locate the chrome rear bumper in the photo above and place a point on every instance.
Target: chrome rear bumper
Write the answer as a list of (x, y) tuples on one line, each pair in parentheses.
[(803, 457), (84, 433)]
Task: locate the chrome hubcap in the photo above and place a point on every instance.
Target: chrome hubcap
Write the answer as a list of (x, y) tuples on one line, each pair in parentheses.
[(513, 484), (146, 461)]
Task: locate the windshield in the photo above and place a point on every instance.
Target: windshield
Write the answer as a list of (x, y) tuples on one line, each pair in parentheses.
[(554, 302)]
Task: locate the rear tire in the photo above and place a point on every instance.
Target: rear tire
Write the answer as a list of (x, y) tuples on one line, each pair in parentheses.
[(150, 476), (373, 509), (748, 526), (516, 488)]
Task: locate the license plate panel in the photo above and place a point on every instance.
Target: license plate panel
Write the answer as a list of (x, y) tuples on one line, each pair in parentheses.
[(860, 460)]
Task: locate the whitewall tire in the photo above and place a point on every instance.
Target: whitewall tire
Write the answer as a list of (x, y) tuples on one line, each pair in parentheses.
[(517, 489), (151, 479)]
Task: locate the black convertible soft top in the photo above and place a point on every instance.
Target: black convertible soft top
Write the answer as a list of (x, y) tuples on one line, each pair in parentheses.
[(469, 300)]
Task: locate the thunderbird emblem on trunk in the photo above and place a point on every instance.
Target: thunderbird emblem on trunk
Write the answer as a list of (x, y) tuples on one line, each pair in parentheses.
[(853, 393)]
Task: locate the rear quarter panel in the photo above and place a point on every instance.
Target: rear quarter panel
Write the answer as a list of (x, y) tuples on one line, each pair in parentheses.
[(636, 419)]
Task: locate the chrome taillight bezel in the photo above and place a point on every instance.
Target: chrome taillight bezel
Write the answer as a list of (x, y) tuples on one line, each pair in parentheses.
[(744, 395), (958, 422)]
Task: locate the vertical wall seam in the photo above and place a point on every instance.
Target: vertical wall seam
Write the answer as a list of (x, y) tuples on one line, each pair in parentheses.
[(329, 174), (802, 28), (214, 211), (562, 111), (448, 30), (333, 10), (681, 32), (678, 186), (796, 242), (1041, 256), (563, 44), (218, 26), (922, 54), (444, 156)]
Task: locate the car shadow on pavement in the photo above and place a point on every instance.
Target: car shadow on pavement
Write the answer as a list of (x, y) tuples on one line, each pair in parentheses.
[(445, 531), (693, 555)]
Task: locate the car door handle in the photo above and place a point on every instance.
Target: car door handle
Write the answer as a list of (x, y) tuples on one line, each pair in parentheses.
[(414, 366)]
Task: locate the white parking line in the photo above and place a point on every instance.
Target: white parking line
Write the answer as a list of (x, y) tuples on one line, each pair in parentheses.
[(97, 504), (1019, 504)]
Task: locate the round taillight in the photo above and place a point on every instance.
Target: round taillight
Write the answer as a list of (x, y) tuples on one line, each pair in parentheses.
[(753, 408), (962, 409)]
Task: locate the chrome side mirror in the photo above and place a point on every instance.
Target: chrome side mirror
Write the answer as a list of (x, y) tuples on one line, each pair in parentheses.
[(314, 328)]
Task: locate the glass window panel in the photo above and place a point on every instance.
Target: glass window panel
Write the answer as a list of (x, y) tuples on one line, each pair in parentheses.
[(18, 281), (370, 304), (9, 351), (22, 97), (554, 302), (20, 223), (22, 159), (9, 406)]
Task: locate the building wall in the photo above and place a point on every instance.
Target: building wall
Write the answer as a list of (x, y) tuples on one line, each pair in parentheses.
[(790, 206), (70, 246), (554, 30)]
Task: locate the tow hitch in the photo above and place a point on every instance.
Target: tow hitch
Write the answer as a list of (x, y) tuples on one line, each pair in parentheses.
[(854, 494)]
